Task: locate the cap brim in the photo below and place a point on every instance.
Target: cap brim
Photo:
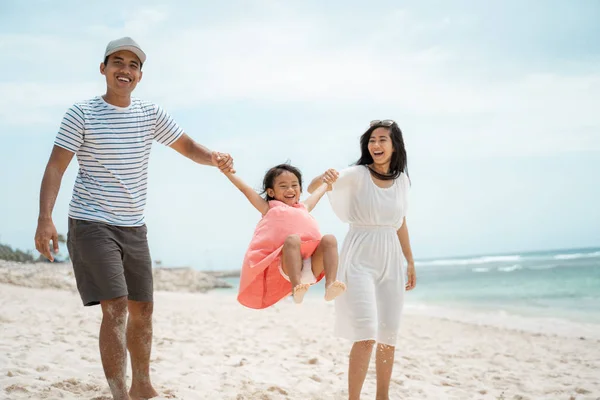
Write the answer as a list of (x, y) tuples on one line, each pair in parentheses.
[(135, 50)]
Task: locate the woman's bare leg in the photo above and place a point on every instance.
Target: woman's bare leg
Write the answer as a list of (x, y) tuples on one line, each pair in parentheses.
[(384, 363), (360, 355)]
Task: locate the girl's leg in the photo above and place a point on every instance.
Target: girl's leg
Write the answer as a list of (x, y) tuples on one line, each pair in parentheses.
[(360, 355), (291, 263), (384, 364), (325, 258)]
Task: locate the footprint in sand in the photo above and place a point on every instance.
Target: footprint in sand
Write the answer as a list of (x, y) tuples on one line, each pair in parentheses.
[(15, 389), (278, 390)]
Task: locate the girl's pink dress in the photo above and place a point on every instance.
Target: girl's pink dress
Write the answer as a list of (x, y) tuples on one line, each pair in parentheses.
[(261, 282)]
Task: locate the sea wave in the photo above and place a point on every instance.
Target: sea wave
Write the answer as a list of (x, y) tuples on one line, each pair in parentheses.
[(573, 256), (511, 268), (471, 261), (542, 267)]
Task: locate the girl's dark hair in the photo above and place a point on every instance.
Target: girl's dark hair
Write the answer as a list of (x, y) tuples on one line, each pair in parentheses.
[(398, 163), (269, 179)]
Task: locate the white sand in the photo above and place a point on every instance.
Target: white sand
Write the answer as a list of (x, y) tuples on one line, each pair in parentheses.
[(207, 346)]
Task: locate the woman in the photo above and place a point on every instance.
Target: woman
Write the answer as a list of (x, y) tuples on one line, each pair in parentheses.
[(372, 197)]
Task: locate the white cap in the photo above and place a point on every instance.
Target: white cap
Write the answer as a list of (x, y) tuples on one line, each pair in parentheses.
[(125, 43)]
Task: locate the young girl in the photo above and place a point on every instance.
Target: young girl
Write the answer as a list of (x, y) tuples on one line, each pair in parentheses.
[(287, 253)]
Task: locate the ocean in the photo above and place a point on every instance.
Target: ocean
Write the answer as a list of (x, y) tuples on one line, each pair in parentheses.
[(562, 284)]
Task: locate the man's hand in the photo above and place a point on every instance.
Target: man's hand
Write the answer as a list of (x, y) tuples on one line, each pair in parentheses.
[(329, 177), (223, 161), (45, 232), (411, 281)]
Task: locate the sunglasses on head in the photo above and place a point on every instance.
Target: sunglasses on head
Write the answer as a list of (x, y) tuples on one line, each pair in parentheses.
[(385, 122)]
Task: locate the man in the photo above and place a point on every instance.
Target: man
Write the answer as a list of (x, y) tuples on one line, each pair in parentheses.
[(112, 136)]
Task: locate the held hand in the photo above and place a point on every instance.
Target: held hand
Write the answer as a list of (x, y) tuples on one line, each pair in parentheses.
[(411, 281), (45, 232), (329, 177), (223, 161)]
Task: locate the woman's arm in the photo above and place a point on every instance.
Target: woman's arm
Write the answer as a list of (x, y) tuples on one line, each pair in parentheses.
[(328, 176), (314, 198), (407, 251), (258, 202)]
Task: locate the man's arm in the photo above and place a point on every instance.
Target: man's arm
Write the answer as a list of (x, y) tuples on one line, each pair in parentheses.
[(46, 231), (201, 155)]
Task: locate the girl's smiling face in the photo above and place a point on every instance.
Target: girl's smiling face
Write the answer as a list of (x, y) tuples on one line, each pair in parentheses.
[(286, 188)]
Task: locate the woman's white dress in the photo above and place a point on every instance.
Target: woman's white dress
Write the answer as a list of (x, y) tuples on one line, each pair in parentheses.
[(371, 260)]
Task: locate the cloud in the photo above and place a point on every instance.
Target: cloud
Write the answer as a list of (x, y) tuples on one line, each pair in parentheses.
[(137, 22), (285, 56), (39, 104)]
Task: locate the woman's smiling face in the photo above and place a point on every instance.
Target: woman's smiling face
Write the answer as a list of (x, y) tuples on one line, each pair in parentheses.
[(380, 146)]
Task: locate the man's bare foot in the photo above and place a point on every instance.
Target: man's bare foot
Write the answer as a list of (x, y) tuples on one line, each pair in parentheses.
[(334, 290), (299, 291), (142, 393)]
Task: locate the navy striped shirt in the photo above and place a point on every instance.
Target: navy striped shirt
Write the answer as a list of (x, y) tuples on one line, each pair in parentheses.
[(113, 145)]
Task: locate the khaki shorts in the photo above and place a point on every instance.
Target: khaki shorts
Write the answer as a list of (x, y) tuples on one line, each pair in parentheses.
[(110, 261)]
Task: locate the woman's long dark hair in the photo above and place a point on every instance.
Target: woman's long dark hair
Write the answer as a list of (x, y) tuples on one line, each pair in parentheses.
[(398, 163), (269, 179)]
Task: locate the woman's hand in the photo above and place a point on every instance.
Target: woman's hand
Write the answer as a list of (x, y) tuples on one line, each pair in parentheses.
[(411, 281), (329, 177)]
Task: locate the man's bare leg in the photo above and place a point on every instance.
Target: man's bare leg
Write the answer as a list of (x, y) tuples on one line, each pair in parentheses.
[(113, 350), (360, 355), (139, 344), (384, 363)]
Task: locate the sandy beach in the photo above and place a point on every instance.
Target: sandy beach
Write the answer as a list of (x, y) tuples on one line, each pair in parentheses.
[(207, 346)]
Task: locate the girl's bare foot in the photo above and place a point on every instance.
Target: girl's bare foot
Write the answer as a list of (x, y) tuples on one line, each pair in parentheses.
[(334, 290), (299, 291)]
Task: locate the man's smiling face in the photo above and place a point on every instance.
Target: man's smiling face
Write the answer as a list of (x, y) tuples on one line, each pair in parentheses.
[(123, 71)]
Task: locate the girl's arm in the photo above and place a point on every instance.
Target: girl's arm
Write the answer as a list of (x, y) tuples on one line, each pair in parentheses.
[(316, 195), (258, 202), (315, 183), (407, 252)]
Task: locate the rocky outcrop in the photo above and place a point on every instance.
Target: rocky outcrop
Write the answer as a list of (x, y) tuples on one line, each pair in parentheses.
[(60, 276)]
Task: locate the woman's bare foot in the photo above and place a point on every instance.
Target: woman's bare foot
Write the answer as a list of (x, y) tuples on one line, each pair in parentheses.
[(299, 291), (334, 290)]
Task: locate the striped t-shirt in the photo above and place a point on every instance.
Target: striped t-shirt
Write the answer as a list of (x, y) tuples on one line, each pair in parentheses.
[(113, 145)]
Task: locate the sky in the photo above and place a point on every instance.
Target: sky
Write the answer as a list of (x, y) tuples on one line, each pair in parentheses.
[(498, 103)]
